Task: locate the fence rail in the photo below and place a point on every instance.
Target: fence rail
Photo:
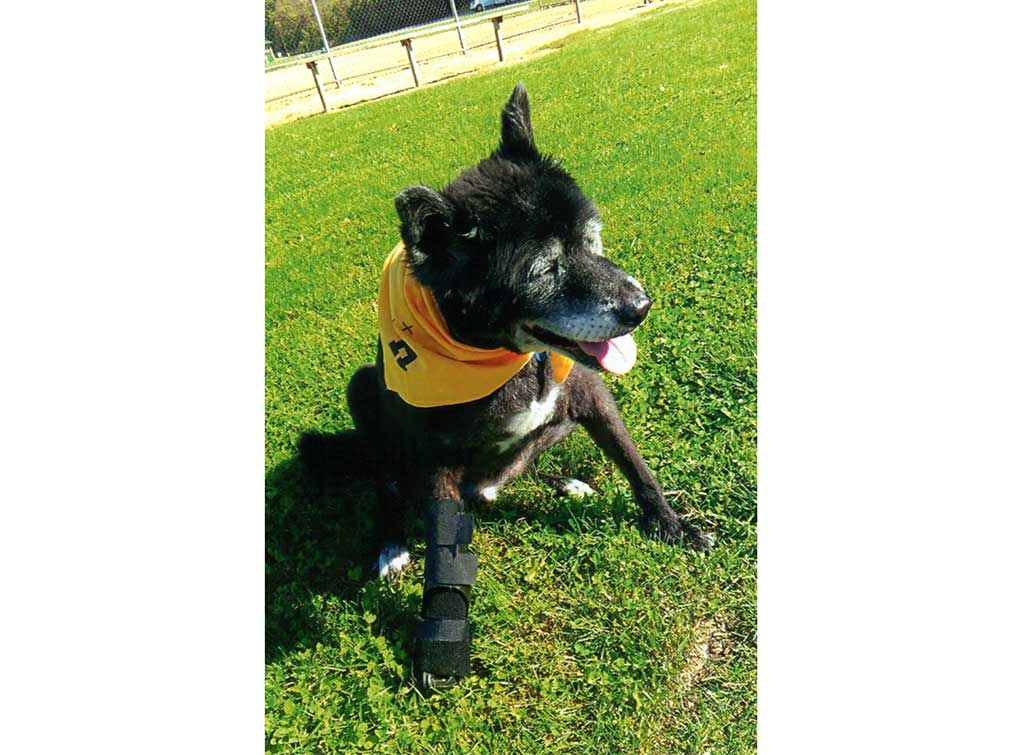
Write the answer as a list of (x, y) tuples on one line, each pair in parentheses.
[(368, 67)]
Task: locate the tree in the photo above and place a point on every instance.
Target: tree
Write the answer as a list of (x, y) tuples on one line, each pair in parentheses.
[(290, 24)]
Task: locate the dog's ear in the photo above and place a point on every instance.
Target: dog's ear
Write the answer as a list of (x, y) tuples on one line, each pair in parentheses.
[(518, 139), (425, 220)]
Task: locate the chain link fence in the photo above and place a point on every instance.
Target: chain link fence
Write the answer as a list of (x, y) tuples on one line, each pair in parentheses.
[(322, 54), (293, 26)]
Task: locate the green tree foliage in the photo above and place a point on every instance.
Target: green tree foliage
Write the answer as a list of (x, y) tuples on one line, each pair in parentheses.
[(290, 24)]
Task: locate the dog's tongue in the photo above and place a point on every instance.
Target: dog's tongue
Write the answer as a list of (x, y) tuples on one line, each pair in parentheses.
[(616, 355)]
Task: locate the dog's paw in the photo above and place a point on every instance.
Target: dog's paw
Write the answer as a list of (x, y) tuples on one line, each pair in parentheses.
[(392, 562), (677, 531), (568, 486), (577, 488)]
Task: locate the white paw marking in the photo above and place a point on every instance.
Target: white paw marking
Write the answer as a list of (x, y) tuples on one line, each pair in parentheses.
[(489, 494), (393, 559), (577, 488)]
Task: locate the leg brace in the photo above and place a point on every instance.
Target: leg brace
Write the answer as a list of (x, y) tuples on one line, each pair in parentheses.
[(442, 646)]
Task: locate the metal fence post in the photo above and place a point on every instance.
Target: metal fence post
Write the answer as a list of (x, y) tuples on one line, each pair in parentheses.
[(325, 43), (313, 66), (577, 7), (499, 37), (456, 20), (410, 57)]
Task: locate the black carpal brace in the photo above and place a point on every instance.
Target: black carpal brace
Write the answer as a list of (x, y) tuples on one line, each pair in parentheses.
[(442, 647)]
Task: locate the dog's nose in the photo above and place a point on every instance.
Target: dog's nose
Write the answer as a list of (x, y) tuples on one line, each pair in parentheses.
[(635, 310), (643, 305)]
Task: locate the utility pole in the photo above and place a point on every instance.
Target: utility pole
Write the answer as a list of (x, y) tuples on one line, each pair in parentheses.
[(325, 44)]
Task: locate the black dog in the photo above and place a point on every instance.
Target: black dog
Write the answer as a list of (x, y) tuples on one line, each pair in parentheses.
[(510, 251)]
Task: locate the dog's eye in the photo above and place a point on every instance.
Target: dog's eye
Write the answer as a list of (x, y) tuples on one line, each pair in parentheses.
[(549, 270), (471, 234)]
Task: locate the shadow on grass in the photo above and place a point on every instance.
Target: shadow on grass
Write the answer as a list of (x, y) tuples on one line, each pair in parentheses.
[(321, 542)]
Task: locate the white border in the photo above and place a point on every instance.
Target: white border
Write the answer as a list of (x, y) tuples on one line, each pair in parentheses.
[(132, 306), (888, 332)]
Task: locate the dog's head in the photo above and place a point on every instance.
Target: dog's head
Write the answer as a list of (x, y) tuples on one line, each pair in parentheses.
[(513, 254)]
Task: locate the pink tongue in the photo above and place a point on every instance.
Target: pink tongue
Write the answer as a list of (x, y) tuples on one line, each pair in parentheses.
[(616, 355)]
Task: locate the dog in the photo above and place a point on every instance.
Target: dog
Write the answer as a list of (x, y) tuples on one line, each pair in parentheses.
[(508, 260)]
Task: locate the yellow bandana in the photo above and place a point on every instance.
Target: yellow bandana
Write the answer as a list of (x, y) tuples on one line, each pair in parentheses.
[(422, 362)]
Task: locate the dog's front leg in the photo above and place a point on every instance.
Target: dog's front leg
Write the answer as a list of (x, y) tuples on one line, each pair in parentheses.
[(600, 416), (442, 639), (409, 492)]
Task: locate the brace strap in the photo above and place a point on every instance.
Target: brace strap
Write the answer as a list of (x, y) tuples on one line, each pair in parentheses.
[(443, 630), (445, 566), (443, 657), (445, 525)]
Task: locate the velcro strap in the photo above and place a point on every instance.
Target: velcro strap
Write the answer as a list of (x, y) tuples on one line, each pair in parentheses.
[(443, 630), (444, 528), (442, 647), (447, 566)]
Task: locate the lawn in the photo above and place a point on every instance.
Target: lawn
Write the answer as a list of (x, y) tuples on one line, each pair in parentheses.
[(589, 638)]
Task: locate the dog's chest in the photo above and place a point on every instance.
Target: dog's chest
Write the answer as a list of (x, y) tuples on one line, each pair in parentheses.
[(525, 421)]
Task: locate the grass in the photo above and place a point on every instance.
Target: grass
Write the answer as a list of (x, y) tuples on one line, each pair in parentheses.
[(589, 638)]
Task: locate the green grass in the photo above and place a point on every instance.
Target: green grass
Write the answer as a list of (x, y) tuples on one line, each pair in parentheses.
[(589, 638)]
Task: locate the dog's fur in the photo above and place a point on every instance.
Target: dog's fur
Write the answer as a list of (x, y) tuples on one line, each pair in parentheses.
[(512, 253)]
